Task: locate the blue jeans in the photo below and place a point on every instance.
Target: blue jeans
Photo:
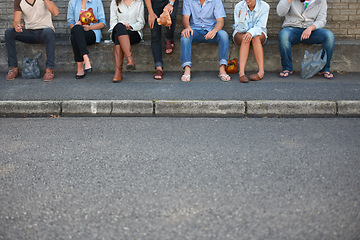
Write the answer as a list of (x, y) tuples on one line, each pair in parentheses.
[(221, 38), (45, 35), (291, 35)]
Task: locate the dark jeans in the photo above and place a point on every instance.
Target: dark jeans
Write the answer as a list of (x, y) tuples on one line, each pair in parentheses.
[(45, 35), (79, 39), (120, 30), (158, 6)]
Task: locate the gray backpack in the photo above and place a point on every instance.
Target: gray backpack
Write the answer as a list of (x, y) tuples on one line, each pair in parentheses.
[(30, 67)]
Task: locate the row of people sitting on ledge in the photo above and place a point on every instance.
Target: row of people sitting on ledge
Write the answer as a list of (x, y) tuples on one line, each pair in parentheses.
[(203, 21)]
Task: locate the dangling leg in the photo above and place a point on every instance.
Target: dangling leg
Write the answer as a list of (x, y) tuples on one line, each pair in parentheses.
[(119, 56), (126, 49)]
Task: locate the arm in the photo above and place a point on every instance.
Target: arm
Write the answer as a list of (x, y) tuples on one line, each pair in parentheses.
[(140, 21), (113, 15), (219, 25), (100, 14), (261, 21), (152, 16), (17, 21), (283, 7), (51, 7), (70, 15), (170, 7), (187, 32)]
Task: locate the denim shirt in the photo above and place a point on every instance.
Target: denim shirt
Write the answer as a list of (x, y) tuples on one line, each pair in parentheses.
[(98, 9), (255, 21), (203, 17)]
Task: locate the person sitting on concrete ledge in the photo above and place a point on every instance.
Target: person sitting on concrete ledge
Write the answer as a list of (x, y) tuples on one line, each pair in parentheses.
[(38, 29), (126, 24), (250, 28), (203, 21), (82, 35), (304, 22)]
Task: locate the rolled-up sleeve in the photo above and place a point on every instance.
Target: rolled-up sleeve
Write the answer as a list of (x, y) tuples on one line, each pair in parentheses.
[(283, 8), (186, 8), (140, 21), (101, 14), (261, 21), (71, 14)]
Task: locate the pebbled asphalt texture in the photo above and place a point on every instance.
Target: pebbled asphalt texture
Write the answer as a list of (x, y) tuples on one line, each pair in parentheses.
[(176, 178)]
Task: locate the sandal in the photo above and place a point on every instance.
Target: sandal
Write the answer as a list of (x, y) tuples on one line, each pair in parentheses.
[(285, 73), (185, 78), (169, 45), (158, 74), (327, 75), (224, 77)]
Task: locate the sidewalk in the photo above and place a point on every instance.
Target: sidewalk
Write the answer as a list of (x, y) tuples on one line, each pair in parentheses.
[(140, 95)]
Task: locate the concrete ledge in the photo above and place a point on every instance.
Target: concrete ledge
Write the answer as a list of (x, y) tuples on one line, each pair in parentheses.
[(348, 108), (29, 108), (291, 108), (204, 56), (180, 108), (200, 108), (132, 108), (86, 108)]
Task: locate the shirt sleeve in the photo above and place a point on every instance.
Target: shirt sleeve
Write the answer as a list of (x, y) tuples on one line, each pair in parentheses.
[(70, 13), (113, 15), (100, 13), (17, 5), (320, 20), (219, 11), (283, 8), (140, 21), (186, 8), (261, 21)]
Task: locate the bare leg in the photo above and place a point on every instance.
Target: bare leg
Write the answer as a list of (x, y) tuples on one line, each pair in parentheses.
[(243, 53), (259, 53), (87, 61), (80, 68)]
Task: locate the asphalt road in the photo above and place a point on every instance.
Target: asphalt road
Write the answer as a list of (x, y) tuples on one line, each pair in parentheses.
[(179, 178), (203, 86)]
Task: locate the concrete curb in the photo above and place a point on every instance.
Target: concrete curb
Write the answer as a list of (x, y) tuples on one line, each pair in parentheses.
[(184, 108)]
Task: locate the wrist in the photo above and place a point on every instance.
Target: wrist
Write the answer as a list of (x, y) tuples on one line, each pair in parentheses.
[(171, 3)]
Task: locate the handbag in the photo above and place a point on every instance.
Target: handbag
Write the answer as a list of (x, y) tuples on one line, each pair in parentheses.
[(313, 61), (30, 67)]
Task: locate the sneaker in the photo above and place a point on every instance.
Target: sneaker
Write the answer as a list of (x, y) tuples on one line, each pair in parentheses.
[(12, 74), (49, 75)]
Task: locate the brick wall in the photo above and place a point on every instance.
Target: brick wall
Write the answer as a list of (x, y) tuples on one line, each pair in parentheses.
[(343, 18)]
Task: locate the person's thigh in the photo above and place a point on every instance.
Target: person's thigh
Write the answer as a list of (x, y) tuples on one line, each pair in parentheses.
[(220, 36), (238, 38), (198, 36), (291, 35), (318, 36), (26, 36), (90, 37)]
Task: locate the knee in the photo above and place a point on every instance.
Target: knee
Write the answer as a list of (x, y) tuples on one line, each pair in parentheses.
[(9, 33), (284, 37), (185, 40), (48, 33), (76, 28), (223, 36), (330, 38)]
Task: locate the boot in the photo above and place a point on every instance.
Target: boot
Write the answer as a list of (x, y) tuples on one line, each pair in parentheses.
[(119, 56), (126, 48)]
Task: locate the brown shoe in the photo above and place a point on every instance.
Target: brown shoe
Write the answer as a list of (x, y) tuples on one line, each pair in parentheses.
[(12, 74), (255, 77), (244, 79), (49, 75)]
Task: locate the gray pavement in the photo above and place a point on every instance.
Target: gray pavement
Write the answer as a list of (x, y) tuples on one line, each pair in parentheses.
[(180, 178), (290, 93)]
